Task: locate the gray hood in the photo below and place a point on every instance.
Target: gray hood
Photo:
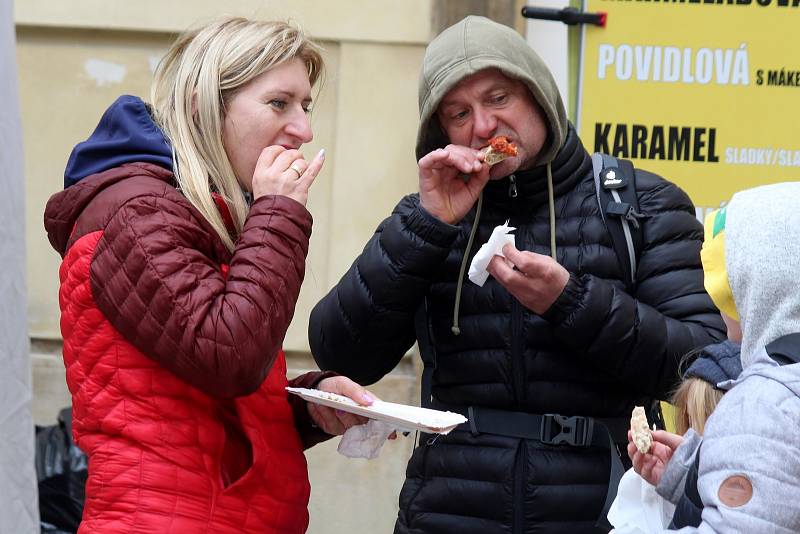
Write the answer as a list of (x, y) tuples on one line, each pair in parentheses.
[(475, 44), (762, 248)]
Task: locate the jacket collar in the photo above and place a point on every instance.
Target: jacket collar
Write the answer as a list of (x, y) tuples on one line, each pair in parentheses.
[(570, 165)]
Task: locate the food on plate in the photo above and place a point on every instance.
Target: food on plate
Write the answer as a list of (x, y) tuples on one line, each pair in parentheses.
[(497, 149), (640, 431)]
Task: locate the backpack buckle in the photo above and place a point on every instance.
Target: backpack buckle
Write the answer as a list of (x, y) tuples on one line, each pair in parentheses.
[(563, 430), (626, 211)]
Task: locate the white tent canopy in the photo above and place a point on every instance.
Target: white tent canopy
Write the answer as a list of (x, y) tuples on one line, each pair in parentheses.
[(19, 511)]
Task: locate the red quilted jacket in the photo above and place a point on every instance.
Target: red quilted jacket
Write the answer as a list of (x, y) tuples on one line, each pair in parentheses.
[(172, 349)]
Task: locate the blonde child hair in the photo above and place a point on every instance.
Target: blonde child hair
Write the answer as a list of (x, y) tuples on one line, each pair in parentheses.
[(694, 401), (699, 392)]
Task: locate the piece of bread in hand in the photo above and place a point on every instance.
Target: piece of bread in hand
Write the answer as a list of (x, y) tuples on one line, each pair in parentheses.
[(640, 430), (497, 149)]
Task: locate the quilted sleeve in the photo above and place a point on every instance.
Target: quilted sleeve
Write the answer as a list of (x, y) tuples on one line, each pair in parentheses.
[(153, 279), (642, 338), (364, 325), (310, 434)]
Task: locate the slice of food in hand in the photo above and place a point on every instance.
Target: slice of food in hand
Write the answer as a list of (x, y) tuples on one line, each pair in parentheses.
[(640, 430), (497, 149)]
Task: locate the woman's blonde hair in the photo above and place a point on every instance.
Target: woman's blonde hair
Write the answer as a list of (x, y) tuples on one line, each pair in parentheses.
[(694, 401), (195, 80)]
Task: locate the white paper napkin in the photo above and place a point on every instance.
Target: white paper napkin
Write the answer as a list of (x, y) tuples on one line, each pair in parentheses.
[(365, 441), (638, 509), (494, 247)]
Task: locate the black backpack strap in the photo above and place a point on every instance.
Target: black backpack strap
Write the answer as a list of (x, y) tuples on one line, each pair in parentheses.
[(786, 349), (427, 353), (615, 187)]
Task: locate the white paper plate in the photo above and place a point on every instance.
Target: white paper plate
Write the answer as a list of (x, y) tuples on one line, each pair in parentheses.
[(402, 416)]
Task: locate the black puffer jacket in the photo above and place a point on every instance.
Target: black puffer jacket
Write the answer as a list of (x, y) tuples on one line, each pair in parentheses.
[(596, 352)]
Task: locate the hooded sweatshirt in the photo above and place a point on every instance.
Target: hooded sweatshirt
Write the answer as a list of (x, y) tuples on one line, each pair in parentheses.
[(470, 46), (751, 445), (125, 134), (172, 344), (761, 260), (473, 45)]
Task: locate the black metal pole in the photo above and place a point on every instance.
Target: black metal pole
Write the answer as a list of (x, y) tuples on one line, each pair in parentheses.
[(568, 15)]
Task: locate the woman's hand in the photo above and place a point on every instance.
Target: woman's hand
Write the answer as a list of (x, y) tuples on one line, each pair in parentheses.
[(651, 465), (334, 421), (285, 172)]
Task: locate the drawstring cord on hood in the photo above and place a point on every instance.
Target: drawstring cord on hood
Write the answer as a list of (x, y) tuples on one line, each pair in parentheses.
[(460, 284), (552, 206), (455, 329)]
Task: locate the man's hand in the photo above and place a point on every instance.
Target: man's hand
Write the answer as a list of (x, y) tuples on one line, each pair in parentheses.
[(443, 190), (533, 279), (335, 422), (651, 466)]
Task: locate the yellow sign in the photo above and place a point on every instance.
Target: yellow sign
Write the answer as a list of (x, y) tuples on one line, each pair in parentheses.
[(705, 93)]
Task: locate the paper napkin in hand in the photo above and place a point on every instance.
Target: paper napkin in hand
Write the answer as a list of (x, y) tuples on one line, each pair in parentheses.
[(494, 247), (365, 441), (638, 509)]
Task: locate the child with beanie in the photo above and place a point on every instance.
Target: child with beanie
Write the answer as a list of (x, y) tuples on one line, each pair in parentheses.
[(637, 508), (704, 383), (748, 462)]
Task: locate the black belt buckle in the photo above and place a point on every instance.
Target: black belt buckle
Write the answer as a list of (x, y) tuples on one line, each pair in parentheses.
[(564, 430)]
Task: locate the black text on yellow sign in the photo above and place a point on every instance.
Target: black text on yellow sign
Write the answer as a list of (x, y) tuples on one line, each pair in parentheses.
[(657, 142)]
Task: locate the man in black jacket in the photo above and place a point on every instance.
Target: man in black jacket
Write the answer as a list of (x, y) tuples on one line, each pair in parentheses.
[(550, 355)]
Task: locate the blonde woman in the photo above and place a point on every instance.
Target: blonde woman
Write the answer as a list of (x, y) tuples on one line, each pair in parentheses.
[(183, 231)]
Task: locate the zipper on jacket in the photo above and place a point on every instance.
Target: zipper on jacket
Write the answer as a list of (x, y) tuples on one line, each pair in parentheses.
[(512, 188), (518, 372), (520, 476)]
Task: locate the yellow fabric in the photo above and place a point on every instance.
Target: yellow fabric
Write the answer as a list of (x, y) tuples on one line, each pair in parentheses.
[(713, 257), (668, 412)]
